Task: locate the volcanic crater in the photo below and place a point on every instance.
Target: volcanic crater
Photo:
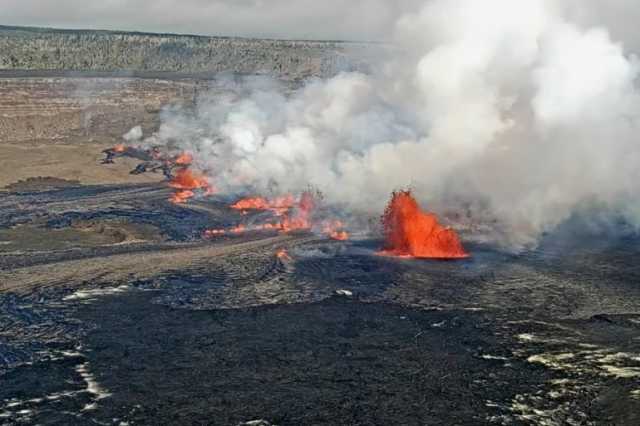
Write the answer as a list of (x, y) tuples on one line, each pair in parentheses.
[(128, 313), (119, 304)]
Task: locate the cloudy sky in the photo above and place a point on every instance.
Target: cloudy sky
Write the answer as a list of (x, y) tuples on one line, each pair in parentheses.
[(307, 19), (294, 19)]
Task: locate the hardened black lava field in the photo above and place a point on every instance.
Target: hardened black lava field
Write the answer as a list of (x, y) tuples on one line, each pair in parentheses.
[(114, 310)]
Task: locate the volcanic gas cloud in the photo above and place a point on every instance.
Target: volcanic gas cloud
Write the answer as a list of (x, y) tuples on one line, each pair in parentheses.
[(411, 232)]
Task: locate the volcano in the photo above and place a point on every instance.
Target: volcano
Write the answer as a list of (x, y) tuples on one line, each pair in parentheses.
[(411, 232)]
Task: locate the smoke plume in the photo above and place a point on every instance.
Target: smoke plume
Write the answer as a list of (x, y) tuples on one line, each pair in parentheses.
[(516, 114)]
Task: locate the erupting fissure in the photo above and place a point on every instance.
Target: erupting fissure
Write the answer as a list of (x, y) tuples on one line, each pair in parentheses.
[(335, 230), (278, 205), (291, 216), (411, 232), (175, 167), (186, 181)]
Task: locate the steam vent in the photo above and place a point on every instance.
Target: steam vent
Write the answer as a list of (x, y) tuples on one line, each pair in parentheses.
[(293, 213)]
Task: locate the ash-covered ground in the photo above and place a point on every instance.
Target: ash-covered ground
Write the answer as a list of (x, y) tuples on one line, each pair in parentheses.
[(115, 310)]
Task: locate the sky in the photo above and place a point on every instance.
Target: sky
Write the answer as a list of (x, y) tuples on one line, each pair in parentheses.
[(299, 19), (369, 20)]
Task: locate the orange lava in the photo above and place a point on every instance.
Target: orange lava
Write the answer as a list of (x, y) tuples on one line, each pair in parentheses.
[(119, 148), (182, 196), (300, 219), (214, 232), (278, 205), (283, 255), (334, 229), (185, 181), (292, 216), (411, 232), (184, 159), (239, 229), (339, 235)]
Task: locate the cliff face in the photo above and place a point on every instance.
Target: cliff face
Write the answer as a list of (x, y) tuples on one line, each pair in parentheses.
[(45, 49), (60, 109)]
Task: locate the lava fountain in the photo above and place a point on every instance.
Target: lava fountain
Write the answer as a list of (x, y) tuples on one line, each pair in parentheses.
[(411, 232)]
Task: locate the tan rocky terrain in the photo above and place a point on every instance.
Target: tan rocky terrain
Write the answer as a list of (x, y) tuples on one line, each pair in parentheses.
[(57, 127), (59, 109), (66, 95)]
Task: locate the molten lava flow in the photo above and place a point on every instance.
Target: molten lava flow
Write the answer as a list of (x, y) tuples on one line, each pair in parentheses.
[(339, 235), (334, 229), (183, 159), (181, 196), (119, 148), (253, 203), (185, 181), (301, 217), (213, 232), (278, 205), (292, 216), (239, 229), (283, 255), (411, 232)]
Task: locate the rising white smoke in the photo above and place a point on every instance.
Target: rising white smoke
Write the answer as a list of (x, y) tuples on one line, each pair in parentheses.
[(518, 113)]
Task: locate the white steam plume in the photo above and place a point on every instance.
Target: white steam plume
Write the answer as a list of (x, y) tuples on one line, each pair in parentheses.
[(517, 112)]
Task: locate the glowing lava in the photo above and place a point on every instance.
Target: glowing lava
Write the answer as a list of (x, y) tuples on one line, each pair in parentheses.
[(411, 232), (181, 196), (291, 216), (283, 255), (294, 216), (119, 148), (301, 216), (334, 229), (278, 205), (186, 181), (183, 159)]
